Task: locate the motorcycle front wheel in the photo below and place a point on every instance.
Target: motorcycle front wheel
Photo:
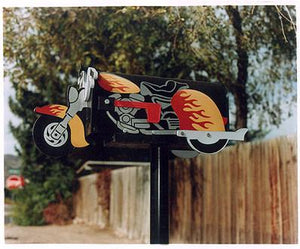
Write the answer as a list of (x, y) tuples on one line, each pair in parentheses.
[(42, 130)]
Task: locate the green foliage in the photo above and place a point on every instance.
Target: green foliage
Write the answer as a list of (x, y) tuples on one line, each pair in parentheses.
[(48, 183), (44, 48), (29, 205)]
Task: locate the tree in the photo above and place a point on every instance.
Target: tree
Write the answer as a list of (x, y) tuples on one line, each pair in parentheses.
[(251, 50), (43, 55)]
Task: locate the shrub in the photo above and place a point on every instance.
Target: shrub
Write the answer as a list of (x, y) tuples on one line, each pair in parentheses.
[(36, 196), (57, 213), (29, 205)]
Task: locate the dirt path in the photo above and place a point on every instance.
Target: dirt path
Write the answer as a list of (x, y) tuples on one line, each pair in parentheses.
[(74, 234)]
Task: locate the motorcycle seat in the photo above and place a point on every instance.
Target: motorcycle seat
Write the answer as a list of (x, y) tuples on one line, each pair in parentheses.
[(166, 90)]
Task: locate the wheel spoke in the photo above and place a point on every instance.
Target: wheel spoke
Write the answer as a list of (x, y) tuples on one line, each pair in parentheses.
[(50, 140)]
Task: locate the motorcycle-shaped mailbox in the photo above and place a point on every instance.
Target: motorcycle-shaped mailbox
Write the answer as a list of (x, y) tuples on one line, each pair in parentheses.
[(111, 108)]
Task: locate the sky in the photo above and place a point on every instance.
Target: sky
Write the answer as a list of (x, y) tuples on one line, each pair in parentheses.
[(9, 140)]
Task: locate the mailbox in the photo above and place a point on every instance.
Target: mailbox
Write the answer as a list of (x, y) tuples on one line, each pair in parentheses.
[(110, 109)]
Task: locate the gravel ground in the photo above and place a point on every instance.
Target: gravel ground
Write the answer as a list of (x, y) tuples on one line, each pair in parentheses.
[(73, 234)]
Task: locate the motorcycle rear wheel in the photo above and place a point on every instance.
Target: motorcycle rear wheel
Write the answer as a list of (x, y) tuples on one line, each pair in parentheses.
[(42, 129), (207, 148)]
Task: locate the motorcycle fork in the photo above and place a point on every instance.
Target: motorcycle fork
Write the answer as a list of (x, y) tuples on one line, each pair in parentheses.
[(78, 99), (74, 97)]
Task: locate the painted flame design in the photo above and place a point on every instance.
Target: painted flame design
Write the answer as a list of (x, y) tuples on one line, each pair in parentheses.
[(52, 110), (117, 84), (58, 110), (197, 111)]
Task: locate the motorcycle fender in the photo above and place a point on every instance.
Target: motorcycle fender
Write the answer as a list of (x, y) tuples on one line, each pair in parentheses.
[(76, 125)]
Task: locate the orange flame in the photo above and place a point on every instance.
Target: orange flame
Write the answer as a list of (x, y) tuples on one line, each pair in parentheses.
[(117, 84), (196, 111)]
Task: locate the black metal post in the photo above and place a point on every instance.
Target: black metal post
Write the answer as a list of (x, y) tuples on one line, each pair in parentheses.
[(159, 203)]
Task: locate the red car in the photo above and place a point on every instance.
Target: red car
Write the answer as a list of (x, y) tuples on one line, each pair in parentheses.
[(15, 182)]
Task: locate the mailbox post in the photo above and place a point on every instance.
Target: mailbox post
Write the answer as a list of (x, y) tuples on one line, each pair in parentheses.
[(104, 109), (159, 192)]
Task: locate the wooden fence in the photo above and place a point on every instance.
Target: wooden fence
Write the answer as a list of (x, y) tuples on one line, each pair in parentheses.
[(245, 194), (117, 199), (88, 207), (130, 202)]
